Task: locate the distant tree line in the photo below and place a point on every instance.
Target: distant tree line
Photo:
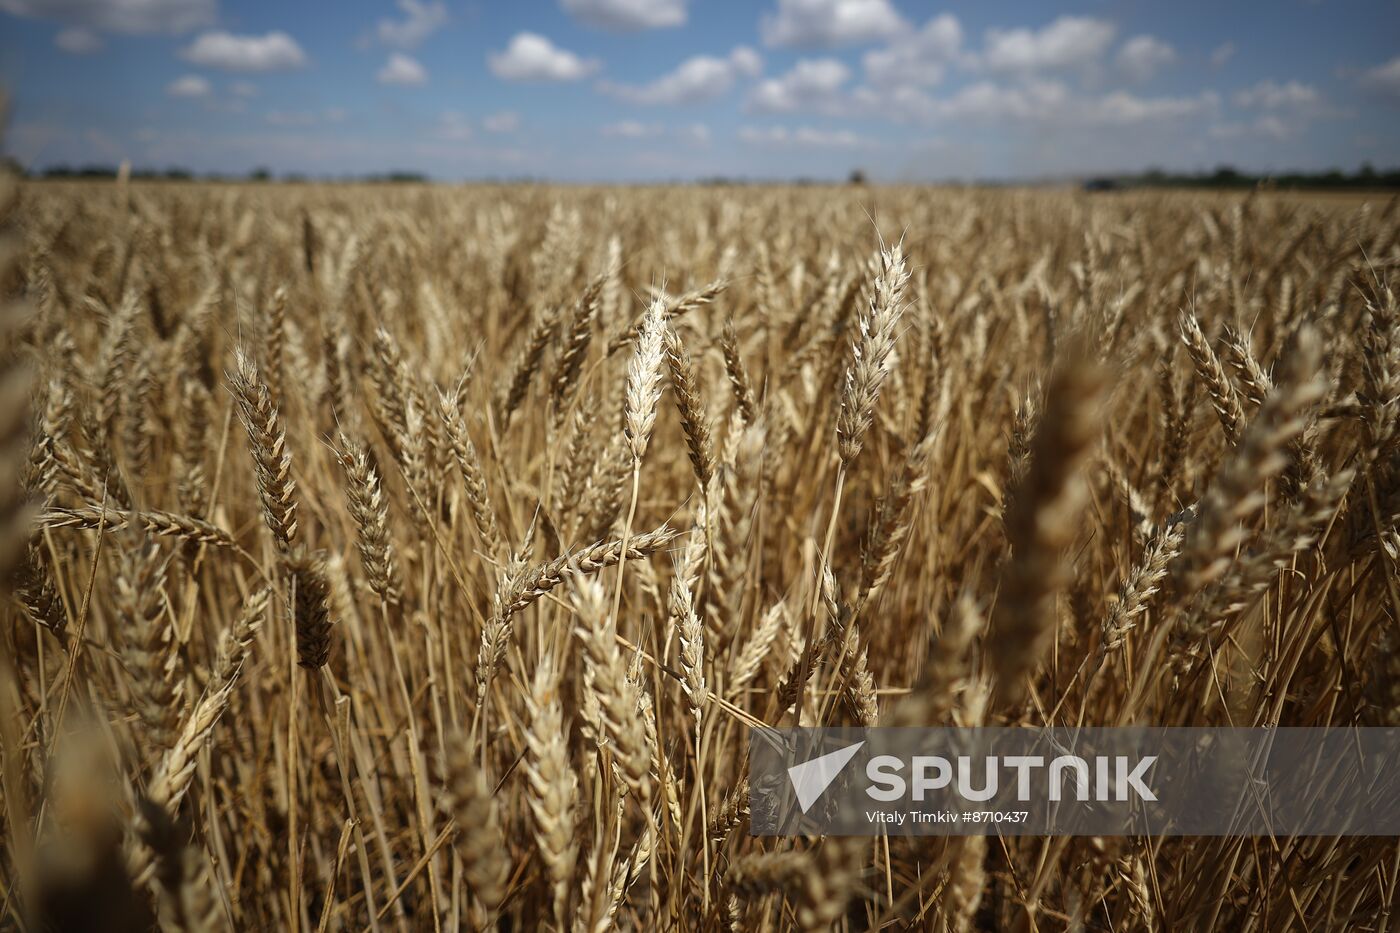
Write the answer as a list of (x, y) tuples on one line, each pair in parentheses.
[(1227, 176), (177, 173), (174, 173)]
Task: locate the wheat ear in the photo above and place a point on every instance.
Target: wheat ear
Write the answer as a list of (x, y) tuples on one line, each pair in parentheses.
[(272, 461), (1042, 522), (871, 352)]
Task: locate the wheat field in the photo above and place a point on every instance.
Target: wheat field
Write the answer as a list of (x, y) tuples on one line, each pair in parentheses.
[(419, 558)]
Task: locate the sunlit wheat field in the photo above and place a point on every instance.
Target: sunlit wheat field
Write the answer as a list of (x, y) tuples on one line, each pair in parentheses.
[(420, 558)]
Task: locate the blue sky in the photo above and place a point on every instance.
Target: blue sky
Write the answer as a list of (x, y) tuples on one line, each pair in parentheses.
[(618, 90)]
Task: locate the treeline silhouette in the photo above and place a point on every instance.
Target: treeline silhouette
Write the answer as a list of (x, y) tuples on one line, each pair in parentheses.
[(177, 173), (1227, 176), (1224, 176)]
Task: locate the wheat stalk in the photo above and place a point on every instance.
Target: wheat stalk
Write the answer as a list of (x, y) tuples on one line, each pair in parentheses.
[(871, 352), (272, 461)]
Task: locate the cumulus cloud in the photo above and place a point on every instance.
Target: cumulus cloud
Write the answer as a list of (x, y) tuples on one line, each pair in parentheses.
[(696, 80), (1123, 109), (403, 71), (78, 41), (188, 86), (827, 23), (986, 100), (746, 61), (1040, 102), (532, 57), (918, 58), (275, 51), (812, 84), (420, 20), (507, 121), (695, 134), (1269, 95), (132, 17), (1141, 57), (1070, 41), (1221, 54), (1384, 78), (243, 89), (627, 15)]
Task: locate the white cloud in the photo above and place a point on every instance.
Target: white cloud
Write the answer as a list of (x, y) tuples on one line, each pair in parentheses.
[(1070, 41), (627, 15), (402, 71), (78, 41), (1141, 57), (900, 103), (826, 23), (820, 86), (696, 80), (805, 137), (1384, 78), (812, 84), (188, 86), (1121, 108), (1268, 95), (746, 61), (919, 58), (275, 51), (985, 100), (1041, 102), (532, 57), (696, 134), (507, 121), (234, 100), (133, 17), (1221, 54), (420, 20)]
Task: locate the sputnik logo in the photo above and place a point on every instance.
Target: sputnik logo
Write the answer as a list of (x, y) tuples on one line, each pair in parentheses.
[(811, 778)]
